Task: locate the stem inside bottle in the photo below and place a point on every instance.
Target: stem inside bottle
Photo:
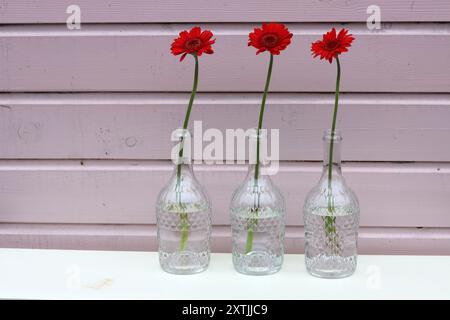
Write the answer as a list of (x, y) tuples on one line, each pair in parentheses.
[(258, 137), (332, 164), (183, 137)]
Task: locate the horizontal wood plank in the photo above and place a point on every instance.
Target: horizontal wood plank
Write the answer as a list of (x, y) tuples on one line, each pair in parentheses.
[(117, 11), (137, 58), (124, 192), (412, 241), (376, 127)]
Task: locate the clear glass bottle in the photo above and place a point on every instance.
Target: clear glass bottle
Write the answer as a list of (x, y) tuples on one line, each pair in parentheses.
[(331, 217), (183, 219), (257, 213)]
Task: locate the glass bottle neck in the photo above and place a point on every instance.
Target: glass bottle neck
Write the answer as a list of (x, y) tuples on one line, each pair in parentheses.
[(184, 167), (332, 149), (262, 176), (181, 152)]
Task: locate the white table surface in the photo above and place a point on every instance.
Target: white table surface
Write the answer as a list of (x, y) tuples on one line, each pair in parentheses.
[(72, 274)]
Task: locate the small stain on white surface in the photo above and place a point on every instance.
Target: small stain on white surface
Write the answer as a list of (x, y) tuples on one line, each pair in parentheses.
[(102, 284)]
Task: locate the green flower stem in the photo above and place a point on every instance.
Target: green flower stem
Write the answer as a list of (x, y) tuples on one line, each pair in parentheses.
[(330, 220), (183, 215), (261, 114), (249, 242), (184, 230), (253, 222), (188, 112)]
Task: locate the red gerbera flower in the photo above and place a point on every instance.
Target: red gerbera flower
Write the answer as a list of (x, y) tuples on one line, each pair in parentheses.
[(272, 37), (193, 41), (330, 46)]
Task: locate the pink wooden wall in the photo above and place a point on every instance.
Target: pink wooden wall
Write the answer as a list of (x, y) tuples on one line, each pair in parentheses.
[(85, 116)]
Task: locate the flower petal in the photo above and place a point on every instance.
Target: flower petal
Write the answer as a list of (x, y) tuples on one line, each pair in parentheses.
[(331, 45), (201, 42), (277, 31)]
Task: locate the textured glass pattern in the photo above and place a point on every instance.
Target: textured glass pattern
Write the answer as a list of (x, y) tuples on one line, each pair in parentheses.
[(195, 256), (184, 224), (330, 255), (331, 217), (183, 213), (257, 222)]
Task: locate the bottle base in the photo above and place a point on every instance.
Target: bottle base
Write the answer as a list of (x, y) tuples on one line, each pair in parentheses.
[(257, 263), (184, 262), (331, 267)]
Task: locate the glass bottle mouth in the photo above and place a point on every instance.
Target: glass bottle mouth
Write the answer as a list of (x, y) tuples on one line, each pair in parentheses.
[(329, 135), (181, 134), (181, 153), (254, 134)]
